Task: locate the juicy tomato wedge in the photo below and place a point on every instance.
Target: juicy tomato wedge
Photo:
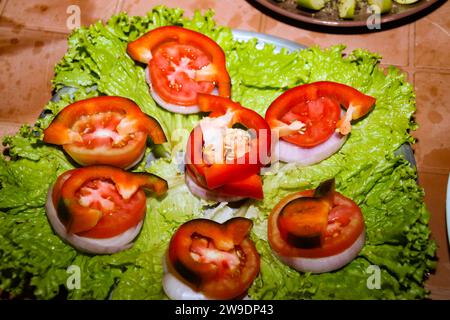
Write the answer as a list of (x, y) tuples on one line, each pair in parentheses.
[(230, 175), (216, 259), (101, 201), (317, 107), (182, 63), (104, 130), (304, 224)]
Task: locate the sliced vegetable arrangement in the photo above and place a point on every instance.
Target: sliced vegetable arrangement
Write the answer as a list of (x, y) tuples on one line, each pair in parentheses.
[(375, 196)]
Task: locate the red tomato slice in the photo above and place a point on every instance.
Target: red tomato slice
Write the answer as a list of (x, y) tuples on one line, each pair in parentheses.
[(218, 260), (182, 63), (317, 106), (172, 72), (104, 130), (102, 202), (345, 225)]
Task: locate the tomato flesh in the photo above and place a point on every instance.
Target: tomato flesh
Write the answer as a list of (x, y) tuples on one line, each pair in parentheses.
[(172, 72), (344, 225), (319, 116), (118, 214), (99, 130), (204, 251)]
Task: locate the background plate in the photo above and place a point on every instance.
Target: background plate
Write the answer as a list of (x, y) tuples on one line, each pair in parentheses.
[(290, 10)]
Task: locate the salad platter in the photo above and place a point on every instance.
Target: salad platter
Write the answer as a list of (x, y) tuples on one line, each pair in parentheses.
[(107, 181)]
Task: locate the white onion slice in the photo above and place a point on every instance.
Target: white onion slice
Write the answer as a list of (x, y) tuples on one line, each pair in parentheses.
[(170, 106), (326, 264), (176, 289), (114, 244), (206, 194), (289, 152)]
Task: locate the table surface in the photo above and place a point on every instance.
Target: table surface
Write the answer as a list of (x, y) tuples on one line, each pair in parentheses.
[(33, 37)]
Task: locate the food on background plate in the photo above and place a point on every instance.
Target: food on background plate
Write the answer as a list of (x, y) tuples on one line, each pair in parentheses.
[(346, 9), (316, 230), (308, 120), (181, 64), (208, 260), (104, 130), (100, 209), (34, 260), (226, 151)]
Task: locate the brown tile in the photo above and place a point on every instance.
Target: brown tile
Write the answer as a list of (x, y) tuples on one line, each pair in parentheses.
[(433, 108), (2, 5), (435, 186), (28, 59), (8, 128), (52, 15), (432, 44), (391, 44), (235, 14)]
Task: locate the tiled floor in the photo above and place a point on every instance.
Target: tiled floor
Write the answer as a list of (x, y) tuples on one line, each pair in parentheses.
[(439, 283), (33, 38)]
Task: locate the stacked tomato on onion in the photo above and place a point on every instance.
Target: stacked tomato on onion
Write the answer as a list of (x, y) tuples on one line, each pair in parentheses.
[(100, 209), (316, 230), (209, 260), (104, 130), (226, 151), (181, 64), (309, 120)]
